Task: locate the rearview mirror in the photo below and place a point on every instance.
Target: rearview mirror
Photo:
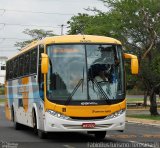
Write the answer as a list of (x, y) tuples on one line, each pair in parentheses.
[(44, 63), (134, 62)]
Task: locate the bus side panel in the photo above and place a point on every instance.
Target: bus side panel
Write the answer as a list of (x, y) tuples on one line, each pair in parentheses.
[(7, 107), (26, 98)]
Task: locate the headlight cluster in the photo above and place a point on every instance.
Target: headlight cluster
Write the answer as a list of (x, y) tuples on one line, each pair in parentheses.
[(115, 114), (58, 115)]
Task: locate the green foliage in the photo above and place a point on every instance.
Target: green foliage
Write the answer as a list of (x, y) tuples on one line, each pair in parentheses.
[(23, 44), (35, 34), (85, 24), (2, 100), (151, 69), (1, 90), (137, 20), (38, 33), (78, 23), (155, 65), (131, 21)]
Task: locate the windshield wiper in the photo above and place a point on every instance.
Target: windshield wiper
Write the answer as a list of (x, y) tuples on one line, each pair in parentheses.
[(74, 90), (81, 81), (101, 91)]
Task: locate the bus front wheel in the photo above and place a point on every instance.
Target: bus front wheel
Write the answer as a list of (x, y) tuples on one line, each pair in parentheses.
[(41, 134), (100, 135)]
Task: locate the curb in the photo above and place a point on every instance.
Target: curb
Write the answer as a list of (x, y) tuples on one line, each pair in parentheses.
[(143, 121), (139, 109), (157, 125)]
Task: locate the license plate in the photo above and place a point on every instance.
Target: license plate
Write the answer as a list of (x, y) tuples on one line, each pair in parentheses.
[(88, 125)]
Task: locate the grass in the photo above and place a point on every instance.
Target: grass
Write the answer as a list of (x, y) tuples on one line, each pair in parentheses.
[(134, 99), (135, 91), (2, 100), (1, 90), (130, 100), (141, 116)]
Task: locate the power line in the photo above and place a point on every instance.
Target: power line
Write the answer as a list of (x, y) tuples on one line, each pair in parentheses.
[(9, 50), (14, 38), (33, 25), (7, 24), (7, 47), (39, 12)]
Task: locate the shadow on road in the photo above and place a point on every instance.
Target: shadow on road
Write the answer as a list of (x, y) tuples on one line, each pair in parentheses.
[(63, 137)]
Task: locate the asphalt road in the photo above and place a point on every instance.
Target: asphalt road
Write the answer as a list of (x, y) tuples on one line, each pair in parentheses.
[(135, 135)]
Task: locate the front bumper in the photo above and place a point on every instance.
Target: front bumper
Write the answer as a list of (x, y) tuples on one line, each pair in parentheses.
[(56, 124)]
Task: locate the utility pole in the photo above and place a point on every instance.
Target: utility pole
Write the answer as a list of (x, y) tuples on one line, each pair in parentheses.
[(62, 26)]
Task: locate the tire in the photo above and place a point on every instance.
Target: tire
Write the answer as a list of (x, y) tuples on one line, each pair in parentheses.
[(34, 122), (42, 134), (100, 135), (17, 126)]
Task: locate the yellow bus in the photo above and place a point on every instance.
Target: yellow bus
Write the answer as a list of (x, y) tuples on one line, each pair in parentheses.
[(68, 83)]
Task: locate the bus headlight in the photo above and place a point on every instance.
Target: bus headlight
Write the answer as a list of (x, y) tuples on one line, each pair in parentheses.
[(58, 115), (115, 114)]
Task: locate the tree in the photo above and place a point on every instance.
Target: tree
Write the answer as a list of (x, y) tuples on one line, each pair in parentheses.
[(140, 25), (136, 24), (89, 24), (35, 34)]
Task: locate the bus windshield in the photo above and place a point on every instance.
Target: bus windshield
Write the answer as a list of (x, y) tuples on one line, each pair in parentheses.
[(83, 72)]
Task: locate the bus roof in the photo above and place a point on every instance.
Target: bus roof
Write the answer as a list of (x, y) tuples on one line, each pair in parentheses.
[(80, 39), (70, 39)]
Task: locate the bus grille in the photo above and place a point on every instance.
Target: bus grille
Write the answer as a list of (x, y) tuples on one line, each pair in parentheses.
[(87, 118)]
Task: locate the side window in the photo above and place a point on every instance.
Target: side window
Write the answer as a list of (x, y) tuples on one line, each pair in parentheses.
[(21, 68), (33, 61), (7, 70), (26, 63), (11, 70), (15, 68)]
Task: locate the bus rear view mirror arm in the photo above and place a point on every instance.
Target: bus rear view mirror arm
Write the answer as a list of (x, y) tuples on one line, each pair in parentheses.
[(44, 63), (134, 62)]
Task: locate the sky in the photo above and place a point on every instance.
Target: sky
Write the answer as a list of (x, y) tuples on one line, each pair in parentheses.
[(37, 14)]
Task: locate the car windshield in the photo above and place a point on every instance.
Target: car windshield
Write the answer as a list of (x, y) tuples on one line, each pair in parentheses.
[(84, 72)]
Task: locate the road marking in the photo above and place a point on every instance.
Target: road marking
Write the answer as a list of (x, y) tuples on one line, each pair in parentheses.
[(144, 144), (68, 146)]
